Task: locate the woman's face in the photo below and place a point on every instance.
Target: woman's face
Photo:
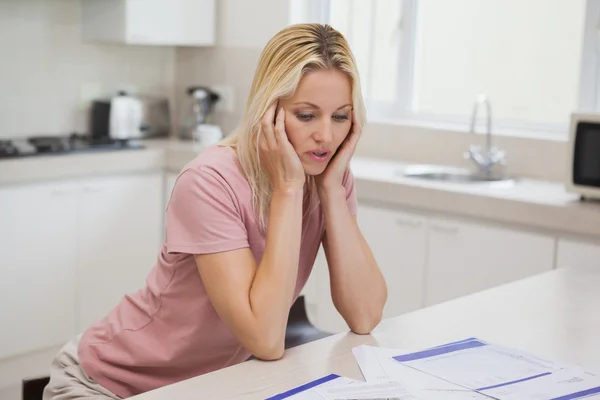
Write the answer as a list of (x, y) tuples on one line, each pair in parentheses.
[(318, 117)]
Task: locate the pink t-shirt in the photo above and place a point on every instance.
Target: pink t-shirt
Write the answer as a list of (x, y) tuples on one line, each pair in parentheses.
[(169, 331)]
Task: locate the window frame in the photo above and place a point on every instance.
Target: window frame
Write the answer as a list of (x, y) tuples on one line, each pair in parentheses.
[(401, 111), (404, 87), (589, 86)]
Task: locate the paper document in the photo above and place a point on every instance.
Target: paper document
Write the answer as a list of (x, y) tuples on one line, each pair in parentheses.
[(502, 373), (308, 390), (377, 365), (366, 391), (564, 384)]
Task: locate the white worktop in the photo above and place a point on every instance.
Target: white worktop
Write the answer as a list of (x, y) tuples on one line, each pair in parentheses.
[(553, 315), (531, 203)]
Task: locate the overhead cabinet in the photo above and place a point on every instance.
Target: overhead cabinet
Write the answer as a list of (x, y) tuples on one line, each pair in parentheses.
[(150, 22)]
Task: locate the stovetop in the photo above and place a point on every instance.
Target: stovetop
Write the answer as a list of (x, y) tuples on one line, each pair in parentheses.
[(54, 145)]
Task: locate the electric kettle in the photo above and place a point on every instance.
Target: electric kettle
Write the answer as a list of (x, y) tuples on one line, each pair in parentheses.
[(126, 116)]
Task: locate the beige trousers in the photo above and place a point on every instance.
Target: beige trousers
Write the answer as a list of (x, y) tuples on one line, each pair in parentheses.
[(68, 381)]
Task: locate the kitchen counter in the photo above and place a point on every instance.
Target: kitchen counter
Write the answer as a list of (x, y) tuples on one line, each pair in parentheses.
[(157, 154), (530, 203), (553, 315)]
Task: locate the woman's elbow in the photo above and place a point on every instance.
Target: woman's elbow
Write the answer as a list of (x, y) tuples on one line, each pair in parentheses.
[(365, 325), (268, 351), (268, 345)]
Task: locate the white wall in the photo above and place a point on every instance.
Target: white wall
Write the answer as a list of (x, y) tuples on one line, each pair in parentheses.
[(45, 68), (244, 28), (250, 24)]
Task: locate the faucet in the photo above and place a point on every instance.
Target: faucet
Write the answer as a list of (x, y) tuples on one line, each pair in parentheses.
[(488, 157)]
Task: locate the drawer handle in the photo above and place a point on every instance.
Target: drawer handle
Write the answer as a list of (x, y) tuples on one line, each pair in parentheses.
[(408, 222), (450, 230), (88, 189), (59, 192)]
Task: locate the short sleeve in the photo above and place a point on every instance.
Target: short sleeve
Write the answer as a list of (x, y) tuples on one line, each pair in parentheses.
[(348, 183), (202, 216)]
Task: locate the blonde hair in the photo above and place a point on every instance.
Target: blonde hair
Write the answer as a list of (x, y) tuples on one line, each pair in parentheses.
[(287, 57)]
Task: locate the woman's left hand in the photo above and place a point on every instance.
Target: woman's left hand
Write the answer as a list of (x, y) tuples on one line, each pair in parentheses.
[(331, 178)]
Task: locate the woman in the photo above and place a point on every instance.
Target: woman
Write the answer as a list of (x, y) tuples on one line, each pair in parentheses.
[(244, 224)]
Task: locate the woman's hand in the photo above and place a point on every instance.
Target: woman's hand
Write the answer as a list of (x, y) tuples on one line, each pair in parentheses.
[(277, 154), (331, 178)]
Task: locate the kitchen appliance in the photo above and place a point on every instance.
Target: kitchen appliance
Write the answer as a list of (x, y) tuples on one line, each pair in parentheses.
[(583, 156), (126, 116), (197, 114), (7, 148), (59, 145)]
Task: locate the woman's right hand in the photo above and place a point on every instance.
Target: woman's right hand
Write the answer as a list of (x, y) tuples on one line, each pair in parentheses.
[(277, 154)]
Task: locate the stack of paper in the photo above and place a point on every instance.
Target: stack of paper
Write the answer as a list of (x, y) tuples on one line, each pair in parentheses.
[(467, 369), (502, 373), (377, 364)]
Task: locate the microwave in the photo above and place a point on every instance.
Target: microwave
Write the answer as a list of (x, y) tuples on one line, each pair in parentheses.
[(583, 158)]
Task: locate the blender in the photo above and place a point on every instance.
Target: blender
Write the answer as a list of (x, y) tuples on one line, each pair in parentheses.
[(197, 125)]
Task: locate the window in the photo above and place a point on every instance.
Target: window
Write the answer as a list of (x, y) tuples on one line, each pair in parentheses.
[(589, 91), (380, 33), (428, 60)]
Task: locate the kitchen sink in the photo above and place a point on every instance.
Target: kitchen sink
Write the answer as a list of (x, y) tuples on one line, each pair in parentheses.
[(451, 174)]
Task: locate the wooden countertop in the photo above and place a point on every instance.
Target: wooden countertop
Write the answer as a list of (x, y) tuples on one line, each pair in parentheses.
[(555, 315)]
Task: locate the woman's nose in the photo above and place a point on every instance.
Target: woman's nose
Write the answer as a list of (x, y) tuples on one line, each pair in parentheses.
[(324, 133)]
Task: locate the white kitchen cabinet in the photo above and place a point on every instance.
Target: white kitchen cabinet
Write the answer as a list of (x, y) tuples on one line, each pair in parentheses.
[(571, 253), (120, 231), (170, 179), (398, 241), (38, 237), (319, 305), (150, 22), (464, 258)]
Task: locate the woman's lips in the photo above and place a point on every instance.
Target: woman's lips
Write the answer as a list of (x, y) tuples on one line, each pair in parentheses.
[(319, 156)]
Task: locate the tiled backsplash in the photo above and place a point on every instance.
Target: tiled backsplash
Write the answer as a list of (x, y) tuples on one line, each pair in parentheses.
[(543, 159), (47, 73), (233, 66)]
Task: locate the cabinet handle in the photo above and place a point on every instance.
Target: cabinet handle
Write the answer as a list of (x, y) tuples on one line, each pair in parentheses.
[(90, 189), (408, 222), (450, 230), (60, 192)]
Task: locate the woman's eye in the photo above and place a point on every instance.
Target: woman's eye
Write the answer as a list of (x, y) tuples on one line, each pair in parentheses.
[(340, 118), (305, 117)]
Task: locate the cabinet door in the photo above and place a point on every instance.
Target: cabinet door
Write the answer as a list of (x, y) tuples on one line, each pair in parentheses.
[(572, 253), (38, 263), (150, 22), (170, 178), (465, 258), (120, 234), (398, 242), (174, 22)]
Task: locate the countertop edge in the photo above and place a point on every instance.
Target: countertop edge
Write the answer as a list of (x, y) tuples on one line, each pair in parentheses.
[(515, 212), (562, 217)]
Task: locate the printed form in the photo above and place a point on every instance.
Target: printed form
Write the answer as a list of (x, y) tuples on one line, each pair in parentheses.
[(377, 365), (503, 373)]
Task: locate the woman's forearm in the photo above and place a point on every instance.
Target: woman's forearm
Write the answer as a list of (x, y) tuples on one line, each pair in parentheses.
[(358, 288), (273, 287)]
